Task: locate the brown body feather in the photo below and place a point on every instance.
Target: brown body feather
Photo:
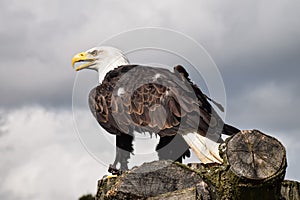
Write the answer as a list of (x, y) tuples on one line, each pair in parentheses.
[(145, 99)]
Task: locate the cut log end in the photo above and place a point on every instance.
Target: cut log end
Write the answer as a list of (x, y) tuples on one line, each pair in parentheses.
[(254, 155)]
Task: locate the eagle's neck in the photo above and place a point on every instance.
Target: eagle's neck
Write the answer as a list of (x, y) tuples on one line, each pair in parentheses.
[(111, 64)]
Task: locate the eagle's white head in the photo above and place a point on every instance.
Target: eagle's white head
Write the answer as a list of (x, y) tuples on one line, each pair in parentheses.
[(102, 59)]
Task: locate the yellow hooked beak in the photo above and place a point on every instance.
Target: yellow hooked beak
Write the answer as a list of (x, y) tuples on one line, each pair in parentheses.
[(82, 57)]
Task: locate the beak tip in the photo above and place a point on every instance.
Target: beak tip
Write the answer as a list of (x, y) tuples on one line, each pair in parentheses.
[(73, 62)]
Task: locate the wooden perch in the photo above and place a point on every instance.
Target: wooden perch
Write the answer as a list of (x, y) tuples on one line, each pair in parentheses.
[(254, 168), (155, 180), (254, 155)]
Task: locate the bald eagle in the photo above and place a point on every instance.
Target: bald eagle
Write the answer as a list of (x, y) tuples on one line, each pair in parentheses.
[(144, 99)]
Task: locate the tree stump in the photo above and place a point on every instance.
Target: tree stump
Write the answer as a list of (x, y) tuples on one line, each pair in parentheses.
[(254, 155), (255, 166), (156, 180)]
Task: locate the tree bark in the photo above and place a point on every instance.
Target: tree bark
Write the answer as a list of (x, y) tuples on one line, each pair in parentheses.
[(290, 190)]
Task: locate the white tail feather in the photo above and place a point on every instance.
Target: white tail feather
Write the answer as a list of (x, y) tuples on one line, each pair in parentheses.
[(205, 149)]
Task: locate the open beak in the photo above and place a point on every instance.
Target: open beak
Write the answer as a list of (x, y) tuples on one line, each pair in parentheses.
[(82, 57)]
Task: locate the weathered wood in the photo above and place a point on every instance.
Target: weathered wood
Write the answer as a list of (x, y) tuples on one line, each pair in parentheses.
[(112, 188), (290, 190), (254, 155), (154, 179), (188, 193), (254, 168), (247, 156)]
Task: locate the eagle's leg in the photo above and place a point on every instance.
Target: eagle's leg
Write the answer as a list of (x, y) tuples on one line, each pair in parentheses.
[(124, 148), (172, 148)]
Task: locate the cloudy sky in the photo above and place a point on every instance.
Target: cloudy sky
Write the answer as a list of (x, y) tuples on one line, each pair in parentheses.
[(255, 45)]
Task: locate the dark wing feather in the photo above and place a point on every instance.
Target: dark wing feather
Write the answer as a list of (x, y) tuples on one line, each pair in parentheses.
[(153, 100)]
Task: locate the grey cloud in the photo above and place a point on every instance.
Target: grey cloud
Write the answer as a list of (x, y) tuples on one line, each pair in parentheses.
[(3, 129), (269, 106), (46, 155), (35, 53), (248, 41)]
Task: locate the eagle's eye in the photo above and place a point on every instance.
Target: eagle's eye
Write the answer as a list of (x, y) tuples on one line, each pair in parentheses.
[(94, 53)]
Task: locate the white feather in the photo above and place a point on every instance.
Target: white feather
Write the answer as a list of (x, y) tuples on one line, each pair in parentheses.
[(108, 58), (121, 91), (157, 76), (205, 149), (111, 62)]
